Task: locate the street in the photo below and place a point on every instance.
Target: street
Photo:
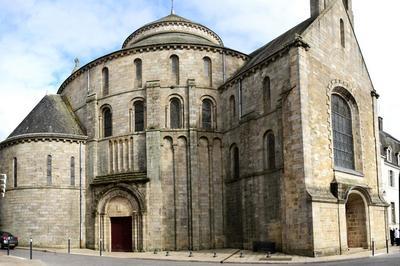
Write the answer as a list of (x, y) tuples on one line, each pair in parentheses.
[(61, 259)]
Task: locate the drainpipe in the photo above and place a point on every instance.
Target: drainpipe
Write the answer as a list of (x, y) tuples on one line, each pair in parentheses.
[(80, 195), (189, 172)]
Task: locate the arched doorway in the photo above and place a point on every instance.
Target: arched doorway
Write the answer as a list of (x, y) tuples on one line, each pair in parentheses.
[(356, 221), (120, 221)]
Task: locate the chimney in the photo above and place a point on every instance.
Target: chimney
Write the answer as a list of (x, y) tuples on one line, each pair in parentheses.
[(380, 123)]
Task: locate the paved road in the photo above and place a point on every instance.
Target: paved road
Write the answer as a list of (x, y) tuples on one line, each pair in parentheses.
[(58, 259)]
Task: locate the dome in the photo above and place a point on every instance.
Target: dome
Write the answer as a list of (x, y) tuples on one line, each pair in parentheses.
[(172, 29)]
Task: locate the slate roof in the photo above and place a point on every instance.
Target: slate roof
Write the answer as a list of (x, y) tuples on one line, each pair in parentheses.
[(388, 140), (274, 46), (50, 115)]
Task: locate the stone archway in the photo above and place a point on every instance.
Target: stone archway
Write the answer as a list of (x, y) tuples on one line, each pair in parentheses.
[(119, 221), (356, 221)]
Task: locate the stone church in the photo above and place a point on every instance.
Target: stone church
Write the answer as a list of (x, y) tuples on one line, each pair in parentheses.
[(177, 142)]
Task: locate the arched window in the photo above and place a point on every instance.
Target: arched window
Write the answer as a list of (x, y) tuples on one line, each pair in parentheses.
[(72, 166), (175, 69), (175, 110), (139, 116), (207, 114), (269, 150), (49, 170), (106, 84), (342, 133), (15, 171), (267, 93), (235, 166), (208, 70), (342, 34), (138, 68), (107, 122)]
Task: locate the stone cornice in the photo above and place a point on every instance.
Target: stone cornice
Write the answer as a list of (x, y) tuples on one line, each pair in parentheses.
[(41, 137), (149, 48), (180, 23)]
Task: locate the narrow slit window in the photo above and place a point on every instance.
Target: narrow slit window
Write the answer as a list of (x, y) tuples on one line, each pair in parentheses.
[(72, 181), (206, 114), (175, 69), (208, 70), (49, 170), (269, 151), (175, 113), (235, 167), (138, 68), (342, 34), (267, 94), (15, 172), (106, 81)]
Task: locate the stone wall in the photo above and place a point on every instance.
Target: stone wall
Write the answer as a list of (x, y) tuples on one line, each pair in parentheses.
[(47, 213)]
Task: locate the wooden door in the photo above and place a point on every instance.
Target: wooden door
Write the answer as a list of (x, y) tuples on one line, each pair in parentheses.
[(121, 234)]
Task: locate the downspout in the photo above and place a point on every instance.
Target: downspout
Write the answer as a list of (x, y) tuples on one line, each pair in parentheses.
[(189, 172), (80, 195)]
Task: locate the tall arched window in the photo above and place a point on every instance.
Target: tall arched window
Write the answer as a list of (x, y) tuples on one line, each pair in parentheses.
[(139, 116), (72, 171), (208, 70), (267, 93), (49, 170), (207, 114), (235, 166), (107, 122), (175, 110), (342, 133), (15, 171), (138, 68), (106, 83), (175, 69), (269, 150), (342, 34)]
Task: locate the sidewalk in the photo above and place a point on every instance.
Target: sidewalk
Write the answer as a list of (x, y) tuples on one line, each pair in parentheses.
[(223, 255), (17, 261)]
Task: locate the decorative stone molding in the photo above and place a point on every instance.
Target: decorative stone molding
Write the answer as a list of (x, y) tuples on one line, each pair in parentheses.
[(42, 137)]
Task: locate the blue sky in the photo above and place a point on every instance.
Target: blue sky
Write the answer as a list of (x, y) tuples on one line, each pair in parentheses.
[(39, 40)]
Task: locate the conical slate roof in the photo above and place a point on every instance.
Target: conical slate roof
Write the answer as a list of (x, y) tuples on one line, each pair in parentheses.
[(50, 115)]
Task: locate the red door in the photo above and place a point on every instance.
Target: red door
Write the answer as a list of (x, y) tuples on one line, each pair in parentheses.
[(121, 234)]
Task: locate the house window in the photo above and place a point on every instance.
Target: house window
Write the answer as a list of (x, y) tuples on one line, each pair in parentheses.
[(391, 178), (342, 133), (139, 116), (175, 113), (106, 83), (208, 70), (269, 151), (49, 170), (206, 114), (235, 168), (393, 212), (72, 166), (15, 171), (267, 93), (175, 69), (138, 68), (342, 34), (389, 154), (107, 122)]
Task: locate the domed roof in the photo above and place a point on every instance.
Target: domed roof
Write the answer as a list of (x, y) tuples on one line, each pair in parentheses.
[(172, 29)]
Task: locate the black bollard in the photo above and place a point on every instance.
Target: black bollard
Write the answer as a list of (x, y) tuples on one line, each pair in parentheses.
[(215, 254), (100, 247), (8, 250), (387, 246), (241, 254), (268, 254), (69, 245), (167, 253), (373, 248), (30, 248), (190, 254), (155, 251)]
